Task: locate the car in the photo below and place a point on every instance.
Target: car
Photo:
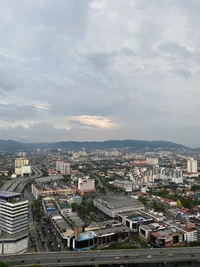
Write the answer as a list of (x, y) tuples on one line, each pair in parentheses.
[(149, 257), (37, 261), (136, 255), (92, 259), (170, 255), (58, 260), (116, 258), (22, 261), (192, 255)]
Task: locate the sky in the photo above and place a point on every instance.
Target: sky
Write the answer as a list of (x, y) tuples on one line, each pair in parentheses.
[(94, 70)]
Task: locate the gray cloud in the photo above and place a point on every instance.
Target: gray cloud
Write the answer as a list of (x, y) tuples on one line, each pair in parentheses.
[(12, 112), (98, 68)]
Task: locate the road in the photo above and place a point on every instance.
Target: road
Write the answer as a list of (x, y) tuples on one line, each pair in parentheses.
[(76, 258), (32, 225)]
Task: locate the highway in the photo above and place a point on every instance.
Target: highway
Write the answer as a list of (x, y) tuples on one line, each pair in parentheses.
[(76, 258), (18, 185)]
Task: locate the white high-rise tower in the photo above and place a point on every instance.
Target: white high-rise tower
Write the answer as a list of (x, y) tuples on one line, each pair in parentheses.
[(192, 165)]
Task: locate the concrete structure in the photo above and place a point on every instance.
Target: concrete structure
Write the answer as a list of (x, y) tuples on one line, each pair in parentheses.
[(19, 162), (21, 154), (63, 167), (50, 188), (151, 161), (127, 186), (134, 219), (13, 223), (86, 185), (25, 169), (100, 238), (113, 205), (192, 165)]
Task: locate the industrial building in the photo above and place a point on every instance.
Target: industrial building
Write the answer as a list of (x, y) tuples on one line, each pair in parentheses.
[(13, 223), (113, 205)]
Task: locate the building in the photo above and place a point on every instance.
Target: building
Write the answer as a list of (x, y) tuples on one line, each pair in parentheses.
[(48, 189), (134, 219), (151, 161), (25, 170), (100, 238), (19, 162), (113, 205), (192, 165), (63, 167), (21, 154), (13, 223), (126, 185), (86, 185)]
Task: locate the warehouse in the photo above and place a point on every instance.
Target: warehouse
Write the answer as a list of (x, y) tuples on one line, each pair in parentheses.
[(112, 205)]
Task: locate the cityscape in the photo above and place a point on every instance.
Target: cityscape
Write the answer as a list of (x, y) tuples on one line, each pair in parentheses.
[(68, 201), (99, 133)]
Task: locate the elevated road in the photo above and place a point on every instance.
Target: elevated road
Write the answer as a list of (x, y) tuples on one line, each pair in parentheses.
[(158, 256), (18, 185)]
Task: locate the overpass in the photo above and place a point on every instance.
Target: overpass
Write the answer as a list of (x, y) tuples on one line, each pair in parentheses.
[(158, 257)]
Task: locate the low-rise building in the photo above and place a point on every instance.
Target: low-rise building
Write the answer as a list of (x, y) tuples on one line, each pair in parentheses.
[(113, 205)]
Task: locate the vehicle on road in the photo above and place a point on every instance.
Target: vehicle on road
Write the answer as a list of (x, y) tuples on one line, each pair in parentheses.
[(149, 257), (170, 255), (116, 258)]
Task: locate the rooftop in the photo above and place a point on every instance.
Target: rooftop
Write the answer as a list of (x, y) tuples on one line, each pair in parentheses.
[(119, 202), (7, 194)]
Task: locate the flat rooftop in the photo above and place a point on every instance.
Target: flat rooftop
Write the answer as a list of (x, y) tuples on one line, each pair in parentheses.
[(7, 194), (119, 202)]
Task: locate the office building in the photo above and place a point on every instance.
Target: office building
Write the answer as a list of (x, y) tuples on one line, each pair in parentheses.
[(13, 223)]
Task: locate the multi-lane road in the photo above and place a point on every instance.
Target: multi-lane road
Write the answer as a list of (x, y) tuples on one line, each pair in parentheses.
[(76, 258)]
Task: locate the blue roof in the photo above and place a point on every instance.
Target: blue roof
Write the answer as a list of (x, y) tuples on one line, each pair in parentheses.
[(7, 194), (86, 236)]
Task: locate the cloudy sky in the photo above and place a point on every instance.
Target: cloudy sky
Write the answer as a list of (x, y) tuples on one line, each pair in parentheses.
[(99, 70)]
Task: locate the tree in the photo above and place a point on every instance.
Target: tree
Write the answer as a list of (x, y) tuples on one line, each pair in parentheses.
[(3, 264)]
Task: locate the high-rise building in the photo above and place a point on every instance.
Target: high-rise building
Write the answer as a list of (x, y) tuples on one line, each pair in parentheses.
[(63, 167), (152, 161), (19, 162), (13, 223), (21, 154), (192, 165)]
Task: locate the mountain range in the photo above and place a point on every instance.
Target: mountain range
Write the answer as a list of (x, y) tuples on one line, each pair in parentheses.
[(10, 145)]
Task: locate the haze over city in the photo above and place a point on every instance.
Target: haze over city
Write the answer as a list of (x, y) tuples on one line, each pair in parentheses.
[(99, 70)]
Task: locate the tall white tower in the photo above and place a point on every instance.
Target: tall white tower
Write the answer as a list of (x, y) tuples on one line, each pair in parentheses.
[(192, 165)]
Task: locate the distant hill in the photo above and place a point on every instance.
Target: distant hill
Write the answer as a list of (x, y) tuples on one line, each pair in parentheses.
[(11, 145)]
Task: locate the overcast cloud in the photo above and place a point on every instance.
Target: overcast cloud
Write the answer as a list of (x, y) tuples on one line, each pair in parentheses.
[(100, 69)]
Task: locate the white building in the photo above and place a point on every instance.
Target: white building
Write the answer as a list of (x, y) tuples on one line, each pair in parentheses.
[(152, 161), (63, 167), (86, 185), (25, 169), (127, 186), (19, 162), (13, 223), (192, 165)]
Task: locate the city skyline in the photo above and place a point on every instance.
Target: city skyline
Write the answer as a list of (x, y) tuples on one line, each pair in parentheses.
[(99, 70)]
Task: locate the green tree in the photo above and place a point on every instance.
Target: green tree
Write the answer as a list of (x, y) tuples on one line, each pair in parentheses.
[(3, 264)]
